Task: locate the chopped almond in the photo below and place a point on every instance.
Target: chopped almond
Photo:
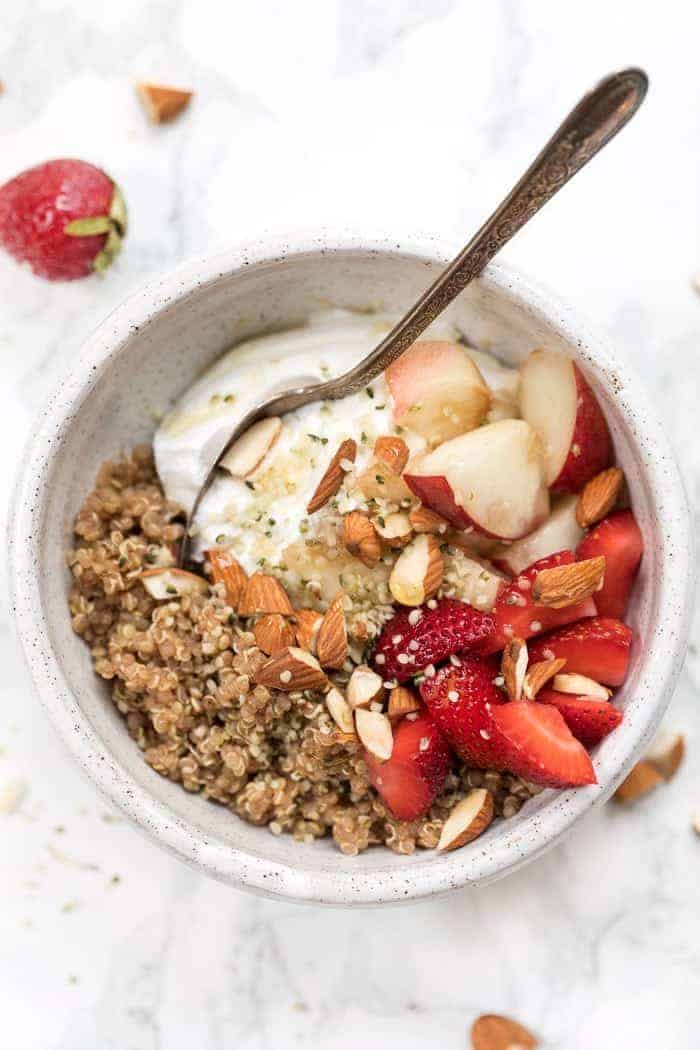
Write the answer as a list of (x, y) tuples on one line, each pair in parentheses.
[(666, 753), (374, 730), (402, 701), (291, 670), (364, 687), (246, 455), (568, 584), (392, 452), (264, 594), (332, 640), (340, 711), (514, 666), (642, 779), (418, 571), (395, 529), (331, 481), (359, 538), (225, 569), (425, 520), (494, 1032), (164, 584), (272, 633), (162, 103), (379, 482), (308, 625), (581, 685), (467, 820), (538, 674), (599, 496)]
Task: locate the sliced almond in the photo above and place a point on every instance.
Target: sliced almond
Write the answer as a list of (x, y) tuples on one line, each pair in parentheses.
[(340, 711), (332, 640), (359, 538), (264, 594), (568, 584), (394, 529), (666, 753), (493, 1032), (467, 820), (331, 481), (162, 103), (402, 701), (599, 496), (514, 666), (290, 670), (245, 455), (364, 687), (374, 730), (225, 569), (272, 633), (643, 778), (418, 571), (393, 452), (308, 623), (164, 584), (539, 674), (580, 685), (425, 520)]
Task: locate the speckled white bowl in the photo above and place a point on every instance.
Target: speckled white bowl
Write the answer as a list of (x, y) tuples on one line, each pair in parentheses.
[(145, 354)]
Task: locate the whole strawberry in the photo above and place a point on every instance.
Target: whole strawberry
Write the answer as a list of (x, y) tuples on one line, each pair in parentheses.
[(65, 219)]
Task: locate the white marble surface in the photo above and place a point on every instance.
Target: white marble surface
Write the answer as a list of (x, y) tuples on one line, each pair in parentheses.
[(301, 115)]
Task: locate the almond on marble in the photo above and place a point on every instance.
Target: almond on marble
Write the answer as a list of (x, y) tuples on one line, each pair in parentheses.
[(161, 102)]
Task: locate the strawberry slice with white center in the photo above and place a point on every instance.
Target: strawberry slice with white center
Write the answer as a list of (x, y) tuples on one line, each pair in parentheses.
[(619, 540), (588, 719), (462, 700), (539, 746), (517, 616), (598, 647), (410, 781), (415, 638)]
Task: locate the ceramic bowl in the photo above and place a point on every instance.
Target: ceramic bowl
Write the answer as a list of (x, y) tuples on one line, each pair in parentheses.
[(147, 353)]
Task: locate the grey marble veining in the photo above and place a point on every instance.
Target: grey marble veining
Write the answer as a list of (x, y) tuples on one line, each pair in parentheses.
[(409, 114)]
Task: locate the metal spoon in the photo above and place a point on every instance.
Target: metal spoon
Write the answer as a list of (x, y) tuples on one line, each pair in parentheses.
[(591, 125)]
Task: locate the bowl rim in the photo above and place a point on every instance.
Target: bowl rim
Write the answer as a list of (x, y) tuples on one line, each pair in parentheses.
[(429, 875)]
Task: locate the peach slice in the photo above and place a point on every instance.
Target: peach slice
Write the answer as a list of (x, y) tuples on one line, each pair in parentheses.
[(437, 391), (560, 532), (557, 401), (491, 479), (246, 454)]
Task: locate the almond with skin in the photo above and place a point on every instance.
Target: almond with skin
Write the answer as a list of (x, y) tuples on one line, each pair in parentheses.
[(330, 483), (291, 670), (359, 538), (364, 687), (162, 103), (392, 452), (264, 594), (514, 666), (666, 753), (467, 820), (395, 529), (599, 496), (580, 685), (539, 674), (568, 584), (643, 778), (225, 569), (308, 624), (272, 633), (418, 571), (374, 730), (402, 701), (423, 519), (494, 1032), (340, 711), (332, 640)]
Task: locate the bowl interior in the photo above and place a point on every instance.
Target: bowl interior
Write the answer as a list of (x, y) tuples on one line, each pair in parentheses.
[(138, 362)]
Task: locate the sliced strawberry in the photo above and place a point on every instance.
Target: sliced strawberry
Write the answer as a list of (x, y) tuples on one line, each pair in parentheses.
[(619, 540), (598, 647), (539, 746), (461, 700), (412, 778), (588, 719), (516, 615), (405, 648)]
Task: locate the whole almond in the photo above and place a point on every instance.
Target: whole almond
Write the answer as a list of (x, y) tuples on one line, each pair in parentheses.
[(514, 666), (642, 779), (272, 633), (423, 519), (331, 481), (332, 640), (393, 452), (467, 820), (494, 1032), (539, 674), (402, 701), (568, 584), (225, 569), (264, 594), (359, 538), (291, 670), (599, 496), (308, 624)]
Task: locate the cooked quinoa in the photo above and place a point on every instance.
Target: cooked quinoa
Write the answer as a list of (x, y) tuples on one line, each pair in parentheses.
[(182, 675)]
